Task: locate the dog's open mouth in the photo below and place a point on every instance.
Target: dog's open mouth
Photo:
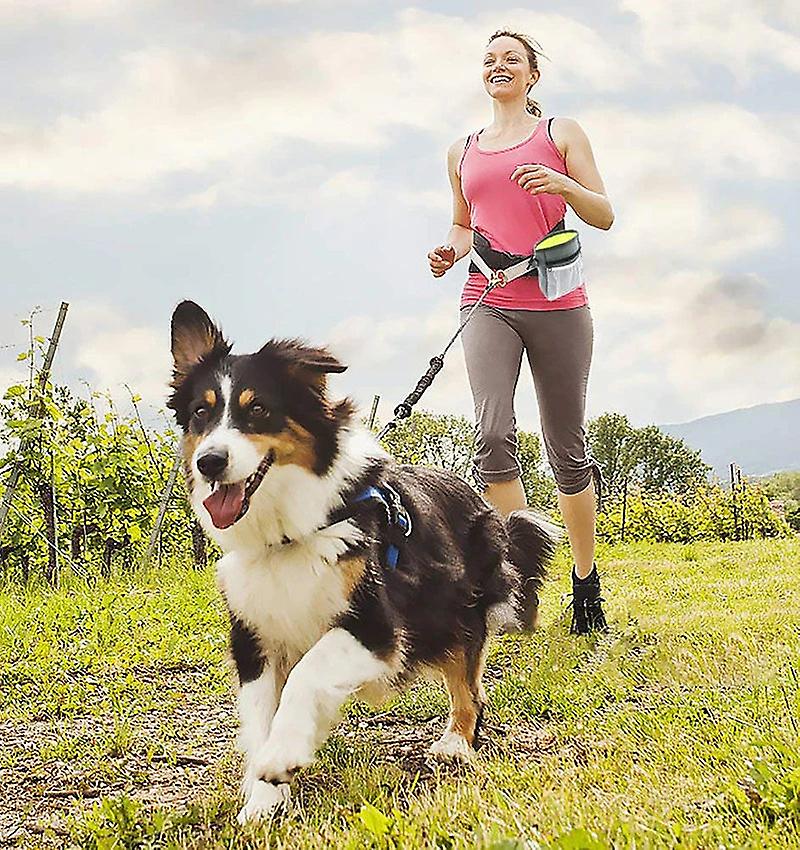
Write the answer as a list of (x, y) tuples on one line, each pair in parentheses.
[(228, 503)]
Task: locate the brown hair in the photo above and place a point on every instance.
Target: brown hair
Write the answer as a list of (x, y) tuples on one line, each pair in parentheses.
[(533, 52)]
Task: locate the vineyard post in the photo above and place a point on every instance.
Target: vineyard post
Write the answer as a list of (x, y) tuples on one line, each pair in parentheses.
[(744, 522), (44, 376), (624, 505), (735, 506), (374, 411), (162, 509)]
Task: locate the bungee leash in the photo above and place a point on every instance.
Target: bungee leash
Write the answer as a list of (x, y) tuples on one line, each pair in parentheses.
[(512, 268), (403, 410)]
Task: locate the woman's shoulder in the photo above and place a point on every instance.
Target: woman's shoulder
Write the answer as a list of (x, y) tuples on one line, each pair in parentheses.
[(455, 153), (564, 126), (457, 148)]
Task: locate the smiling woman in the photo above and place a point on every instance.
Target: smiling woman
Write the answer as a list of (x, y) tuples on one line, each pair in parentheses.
[(512, 183)]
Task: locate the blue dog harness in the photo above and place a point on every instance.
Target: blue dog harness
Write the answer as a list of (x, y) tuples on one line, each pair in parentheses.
[(398, 521), (397, 518)]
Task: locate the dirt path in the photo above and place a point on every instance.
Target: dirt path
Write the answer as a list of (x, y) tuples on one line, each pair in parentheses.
[(51, 770)]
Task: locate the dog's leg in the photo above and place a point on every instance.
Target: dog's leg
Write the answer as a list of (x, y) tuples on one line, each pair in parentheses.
[(462, 671), (331, 671), (257, 704), (261, 679)]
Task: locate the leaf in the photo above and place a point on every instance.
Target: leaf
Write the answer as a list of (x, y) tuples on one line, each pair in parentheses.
[(15, 391), (23, 355), (374, 820)]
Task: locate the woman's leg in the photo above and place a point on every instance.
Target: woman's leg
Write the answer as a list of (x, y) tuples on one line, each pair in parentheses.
[(578, 511), (506, 496), (493, 354), (559, 347)]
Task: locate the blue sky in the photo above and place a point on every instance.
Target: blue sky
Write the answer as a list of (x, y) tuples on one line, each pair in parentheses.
[(282, 163)]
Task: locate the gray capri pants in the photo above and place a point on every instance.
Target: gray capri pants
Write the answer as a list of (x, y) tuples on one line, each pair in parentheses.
[(558, 344)]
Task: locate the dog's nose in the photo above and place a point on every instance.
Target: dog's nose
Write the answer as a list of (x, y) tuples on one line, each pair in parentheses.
[(212, 464)]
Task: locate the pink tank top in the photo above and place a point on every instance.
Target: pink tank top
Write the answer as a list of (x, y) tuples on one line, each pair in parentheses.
[(512, 219)]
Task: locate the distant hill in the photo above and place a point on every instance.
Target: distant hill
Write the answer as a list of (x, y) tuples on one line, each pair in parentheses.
[(761, 439)]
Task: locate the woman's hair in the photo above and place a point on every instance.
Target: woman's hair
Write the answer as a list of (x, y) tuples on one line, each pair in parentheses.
[(534, 52)]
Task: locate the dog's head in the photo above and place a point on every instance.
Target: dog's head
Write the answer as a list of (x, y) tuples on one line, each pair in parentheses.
[(243, 414)]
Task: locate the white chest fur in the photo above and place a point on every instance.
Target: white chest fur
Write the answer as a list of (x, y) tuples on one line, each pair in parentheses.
[(290, 595)]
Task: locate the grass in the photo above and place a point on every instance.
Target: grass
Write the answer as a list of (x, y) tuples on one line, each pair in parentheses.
[(680, 728)]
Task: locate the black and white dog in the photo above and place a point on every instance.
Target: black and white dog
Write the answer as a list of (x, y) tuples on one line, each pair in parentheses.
[(344, 573)]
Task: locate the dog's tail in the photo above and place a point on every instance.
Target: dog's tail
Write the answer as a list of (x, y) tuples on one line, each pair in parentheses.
[(532, 543)]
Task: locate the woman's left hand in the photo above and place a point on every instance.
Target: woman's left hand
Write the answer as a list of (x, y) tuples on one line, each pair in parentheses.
[(539, 179)]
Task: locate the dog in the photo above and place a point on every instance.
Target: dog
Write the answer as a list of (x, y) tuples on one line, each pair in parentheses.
[(344, 573)]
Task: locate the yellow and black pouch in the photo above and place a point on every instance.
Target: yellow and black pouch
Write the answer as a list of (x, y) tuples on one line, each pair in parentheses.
[(558, 262)]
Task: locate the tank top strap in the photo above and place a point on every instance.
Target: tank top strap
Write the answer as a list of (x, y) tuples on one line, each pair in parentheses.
[(470, 139)]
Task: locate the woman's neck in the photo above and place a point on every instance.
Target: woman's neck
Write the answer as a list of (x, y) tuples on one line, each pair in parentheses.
[(510, 116)]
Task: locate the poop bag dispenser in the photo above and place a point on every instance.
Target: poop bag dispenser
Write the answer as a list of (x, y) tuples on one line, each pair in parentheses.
[(558, 263)]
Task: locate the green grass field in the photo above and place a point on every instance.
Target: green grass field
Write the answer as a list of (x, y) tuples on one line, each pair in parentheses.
[(680, 728)]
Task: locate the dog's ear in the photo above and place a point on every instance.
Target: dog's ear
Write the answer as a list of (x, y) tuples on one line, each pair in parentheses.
[(304, 362), (194, 338), (319, 360)]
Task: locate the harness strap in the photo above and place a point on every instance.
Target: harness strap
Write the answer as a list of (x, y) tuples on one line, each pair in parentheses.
[(398, 521), (397, 517)]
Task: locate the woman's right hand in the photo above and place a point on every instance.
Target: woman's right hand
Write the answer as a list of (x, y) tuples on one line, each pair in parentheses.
[(441, 259)]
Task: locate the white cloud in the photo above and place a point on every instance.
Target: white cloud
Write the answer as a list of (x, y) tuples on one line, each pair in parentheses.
[(29, 12), (191, 110), (691, 144), (739, 37), (108, 353)]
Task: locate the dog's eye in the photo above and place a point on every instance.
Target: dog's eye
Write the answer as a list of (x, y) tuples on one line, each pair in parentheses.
[(200, 412), (258, 409)]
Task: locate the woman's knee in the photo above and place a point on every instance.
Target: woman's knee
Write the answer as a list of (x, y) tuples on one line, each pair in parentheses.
[(496, 454), (572, 474)]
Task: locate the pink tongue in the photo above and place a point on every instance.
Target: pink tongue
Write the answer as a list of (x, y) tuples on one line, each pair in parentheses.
[(225, 504)]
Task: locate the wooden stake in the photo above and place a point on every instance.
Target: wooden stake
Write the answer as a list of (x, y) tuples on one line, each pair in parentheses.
[(44, 376), (374, 411), (162, 509)]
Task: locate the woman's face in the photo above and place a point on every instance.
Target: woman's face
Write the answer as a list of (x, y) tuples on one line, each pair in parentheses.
[(506, 72)]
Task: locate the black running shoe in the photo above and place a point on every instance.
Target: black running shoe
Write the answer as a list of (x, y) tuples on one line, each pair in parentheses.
[(587, 610)]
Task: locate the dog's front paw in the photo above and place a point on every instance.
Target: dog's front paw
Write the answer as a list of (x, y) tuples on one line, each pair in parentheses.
[(278, 760), (263, 801), (452, 747)]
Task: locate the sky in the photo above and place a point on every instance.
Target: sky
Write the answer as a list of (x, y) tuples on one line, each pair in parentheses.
[(282, 163)]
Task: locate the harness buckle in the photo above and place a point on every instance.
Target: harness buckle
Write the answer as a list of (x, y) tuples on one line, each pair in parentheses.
[(498, 278)]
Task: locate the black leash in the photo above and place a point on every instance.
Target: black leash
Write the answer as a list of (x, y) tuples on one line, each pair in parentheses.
[(403, 410), (514, 267)]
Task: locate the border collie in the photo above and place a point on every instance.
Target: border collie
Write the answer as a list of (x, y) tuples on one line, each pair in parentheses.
[(345, 573)]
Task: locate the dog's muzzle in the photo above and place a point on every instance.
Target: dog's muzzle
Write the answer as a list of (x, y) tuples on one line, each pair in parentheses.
[(228, 503)]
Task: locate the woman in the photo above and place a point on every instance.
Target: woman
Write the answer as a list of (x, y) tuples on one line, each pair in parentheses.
[(511, 184)]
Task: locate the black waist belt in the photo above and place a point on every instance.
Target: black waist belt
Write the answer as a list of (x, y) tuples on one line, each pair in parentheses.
[(487, 261)]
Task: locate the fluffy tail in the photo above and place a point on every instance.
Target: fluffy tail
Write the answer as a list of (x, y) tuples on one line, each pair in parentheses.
[(533, 540)]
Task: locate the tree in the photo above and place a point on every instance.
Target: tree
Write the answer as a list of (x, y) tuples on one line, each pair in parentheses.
[(656, 461), (785, 486), (613, 444), (448, 442)]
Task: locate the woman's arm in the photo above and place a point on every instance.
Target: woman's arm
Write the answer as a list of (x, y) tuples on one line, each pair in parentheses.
[(581, 187), (459, 237)]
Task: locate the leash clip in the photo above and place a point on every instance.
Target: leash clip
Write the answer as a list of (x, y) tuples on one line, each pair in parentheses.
[(498, 278)]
